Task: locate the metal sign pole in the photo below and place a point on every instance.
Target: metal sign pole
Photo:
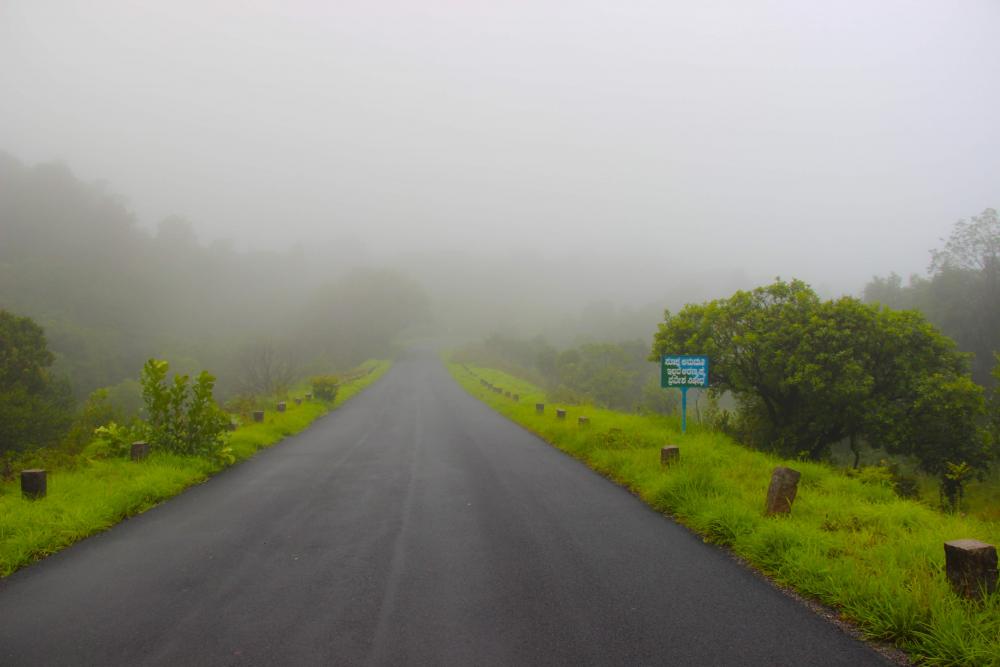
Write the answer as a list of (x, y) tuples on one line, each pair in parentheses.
[(684, 409)]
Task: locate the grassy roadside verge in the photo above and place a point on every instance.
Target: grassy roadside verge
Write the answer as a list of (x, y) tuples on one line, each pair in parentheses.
[(849, 543), (98, 494)]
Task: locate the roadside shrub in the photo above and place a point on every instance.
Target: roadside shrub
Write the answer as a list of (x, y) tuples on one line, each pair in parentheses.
[(242, 405), (96, 412), (183, 418), (325, 387), (114, 440), (879, 475)]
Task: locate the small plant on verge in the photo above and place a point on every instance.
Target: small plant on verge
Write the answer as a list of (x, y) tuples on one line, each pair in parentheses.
[(325, 387), (183, 418)]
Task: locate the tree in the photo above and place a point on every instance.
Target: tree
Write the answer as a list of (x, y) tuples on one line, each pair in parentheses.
[(265, 369), (35, 408), (995, 405), (750, 339), (610, 374), (808, 373), (972, 246), (962, 292)]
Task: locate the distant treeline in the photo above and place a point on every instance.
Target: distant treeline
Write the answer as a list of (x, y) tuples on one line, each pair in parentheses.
[(110, 295), (961, 294)]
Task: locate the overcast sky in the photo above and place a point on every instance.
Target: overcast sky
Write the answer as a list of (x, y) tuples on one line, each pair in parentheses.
[(825, 140)]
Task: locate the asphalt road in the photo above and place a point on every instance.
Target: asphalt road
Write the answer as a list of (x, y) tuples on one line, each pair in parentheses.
[(412, 526)]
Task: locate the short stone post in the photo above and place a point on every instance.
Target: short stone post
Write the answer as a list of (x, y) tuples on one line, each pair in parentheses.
[(258, 415), (309, 397), (281, 406), (583, 421), (781, 492), (971, 567), (298, 401), (560, 413), (670, 455), (139, 451), (33, 484), (539, 408)]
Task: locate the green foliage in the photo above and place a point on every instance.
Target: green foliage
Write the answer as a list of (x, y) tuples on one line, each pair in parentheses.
[(183, 418), (125, 398), (961, 292), (953, 481), (113, 440), (97, 411), (615, 375), (324, 387), (807, 373), (34, 407), (849, 542), (995, 405), (106, 489)]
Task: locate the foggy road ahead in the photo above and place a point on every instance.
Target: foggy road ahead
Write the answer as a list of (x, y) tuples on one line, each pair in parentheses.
[(412, 526)]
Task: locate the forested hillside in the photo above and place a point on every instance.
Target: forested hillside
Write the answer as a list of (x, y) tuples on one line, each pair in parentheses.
[(110, 295)]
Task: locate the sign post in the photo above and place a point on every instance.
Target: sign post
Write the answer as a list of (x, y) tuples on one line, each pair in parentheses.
[(683, 371)]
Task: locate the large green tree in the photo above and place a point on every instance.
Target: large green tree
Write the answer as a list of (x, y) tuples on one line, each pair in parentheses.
[(807, 373), (34, 407)]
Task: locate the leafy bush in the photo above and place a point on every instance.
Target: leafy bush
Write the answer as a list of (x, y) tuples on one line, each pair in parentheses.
[(183, 418), (96, 412), (325, 387), (114, 440), (243, 405)]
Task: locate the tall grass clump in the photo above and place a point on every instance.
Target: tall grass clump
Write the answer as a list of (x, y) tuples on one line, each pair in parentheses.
[(850, 541)]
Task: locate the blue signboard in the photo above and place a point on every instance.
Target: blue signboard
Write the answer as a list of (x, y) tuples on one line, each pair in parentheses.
[(683, 371)]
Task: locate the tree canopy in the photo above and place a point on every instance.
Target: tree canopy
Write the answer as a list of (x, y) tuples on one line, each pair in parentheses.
[(807, 373), (34, 407)]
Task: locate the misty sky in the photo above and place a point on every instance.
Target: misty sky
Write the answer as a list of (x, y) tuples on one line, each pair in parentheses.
[(824, 140)]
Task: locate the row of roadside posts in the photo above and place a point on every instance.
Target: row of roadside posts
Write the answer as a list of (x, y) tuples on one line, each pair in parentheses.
[(970, 565), (34, 481)]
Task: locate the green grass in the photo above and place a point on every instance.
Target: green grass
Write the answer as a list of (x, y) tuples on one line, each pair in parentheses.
[(852, 545), (982, 497), (94, 496)]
